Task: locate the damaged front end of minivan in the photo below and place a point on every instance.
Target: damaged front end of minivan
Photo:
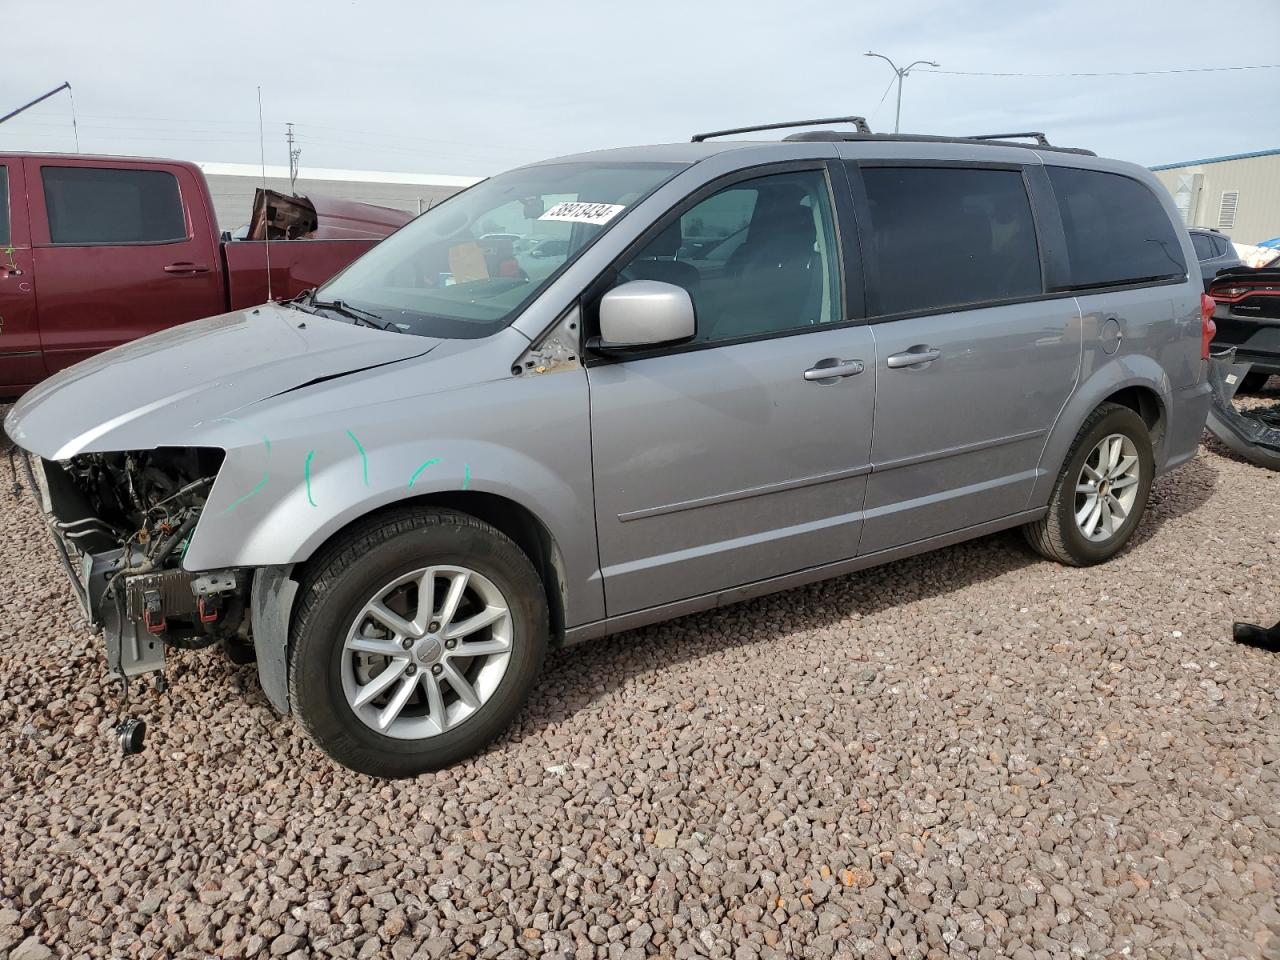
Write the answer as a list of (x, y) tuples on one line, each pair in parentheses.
[(122, 523), (125, 454)]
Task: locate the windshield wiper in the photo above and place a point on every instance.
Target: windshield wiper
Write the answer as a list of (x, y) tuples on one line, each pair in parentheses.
[(354, 314)]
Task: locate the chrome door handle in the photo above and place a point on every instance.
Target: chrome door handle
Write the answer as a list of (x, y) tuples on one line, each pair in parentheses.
[(831, 369), (915, 357)]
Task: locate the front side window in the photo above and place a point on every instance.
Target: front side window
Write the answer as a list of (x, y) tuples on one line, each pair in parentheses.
[(1117, 231), (98, 205), (951, 236), (465, 268), (757, 257), (6, 236)]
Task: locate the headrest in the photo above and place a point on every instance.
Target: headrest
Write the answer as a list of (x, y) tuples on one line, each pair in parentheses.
[(667, 243)]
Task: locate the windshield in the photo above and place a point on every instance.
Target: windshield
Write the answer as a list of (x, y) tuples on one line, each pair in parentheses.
[(466, 268)]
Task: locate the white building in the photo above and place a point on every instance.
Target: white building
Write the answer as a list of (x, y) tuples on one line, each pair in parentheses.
[(233, 184), (1239, 195)]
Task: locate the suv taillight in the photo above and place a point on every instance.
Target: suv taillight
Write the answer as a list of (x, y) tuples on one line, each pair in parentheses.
[(1208, 329)]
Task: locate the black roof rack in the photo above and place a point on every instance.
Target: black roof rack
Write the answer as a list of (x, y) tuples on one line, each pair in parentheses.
[(927, 138), (862, 131), (1039, 138), (859, 123)]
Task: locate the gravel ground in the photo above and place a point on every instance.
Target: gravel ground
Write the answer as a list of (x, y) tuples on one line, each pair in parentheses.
[(973, 753)]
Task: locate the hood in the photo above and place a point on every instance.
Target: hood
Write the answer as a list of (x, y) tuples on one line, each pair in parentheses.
[(149, 392)]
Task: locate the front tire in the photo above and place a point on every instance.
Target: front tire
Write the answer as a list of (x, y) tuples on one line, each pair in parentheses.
[(417, 639), (1101, 491)]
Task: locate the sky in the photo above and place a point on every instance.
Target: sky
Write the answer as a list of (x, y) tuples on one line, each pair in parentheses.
[(475, 88)]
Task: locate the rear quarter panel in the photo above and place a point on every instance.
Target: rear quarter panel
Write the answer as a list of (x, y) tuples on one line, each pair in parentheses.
[(1159, 349)]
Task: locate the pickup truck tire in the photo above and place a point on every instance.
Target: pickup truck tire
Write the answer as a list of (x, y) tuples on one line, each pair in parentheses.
[(377, 601), (1060, 534)]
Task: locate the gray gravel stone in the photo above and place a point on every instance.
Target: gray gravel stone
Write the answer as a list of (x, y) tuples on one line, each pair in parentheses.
[(969, 754)]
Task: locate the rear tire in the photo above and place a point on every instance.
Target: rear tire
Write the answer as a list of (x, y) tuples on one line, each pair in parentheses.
[(1071, 532), (359, 604)]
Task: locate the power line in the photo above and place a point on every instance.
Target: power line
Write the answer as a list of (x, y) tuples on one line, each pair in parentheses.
[(1106, 73)]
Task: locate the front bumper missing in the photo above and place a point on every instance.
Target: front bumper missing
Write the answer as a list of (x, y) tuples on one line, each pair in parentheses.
[(130, 651)]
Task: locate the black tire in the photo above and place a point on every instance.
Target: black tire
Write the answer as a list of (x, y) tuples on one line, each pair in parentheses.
[(1057, 536), (1253, 382), (340, 580)]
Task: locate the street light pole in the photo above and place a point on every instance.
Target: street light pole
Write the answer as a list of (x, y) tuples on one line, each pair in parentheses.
[(901, 72)]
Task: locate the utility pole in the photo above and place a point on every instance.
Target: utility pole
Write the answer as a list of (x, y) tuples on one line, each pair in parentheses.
[(294, 155), (901, 72)]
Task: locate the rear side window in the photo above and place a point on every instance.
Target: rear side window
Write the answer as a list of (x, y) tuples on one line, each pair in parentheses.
[(1204, 246), (950, 237), (90, 205), (5, 234), (1117, 231)]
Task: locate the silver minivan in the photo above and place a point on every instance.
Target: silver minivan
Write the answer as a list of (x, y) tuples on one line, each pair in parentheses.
[(610, 389)]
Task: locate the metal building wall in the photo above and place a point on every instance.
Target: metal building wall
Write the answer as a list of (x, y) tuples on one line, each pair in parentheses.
[(1255, 179)]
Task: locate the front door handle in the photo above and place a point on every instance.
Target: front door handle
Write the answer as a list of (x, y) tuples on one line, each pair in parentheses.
[(831, 369), (186, 269), (917, 356)]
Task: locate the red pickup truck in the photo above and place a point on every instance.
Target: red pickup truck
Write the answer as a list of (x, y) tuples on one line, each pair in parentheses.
[(96, 251)]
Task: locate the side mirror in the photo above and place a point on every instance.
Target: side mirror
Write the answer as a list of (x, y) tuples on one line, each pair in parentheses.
[(644, 313)]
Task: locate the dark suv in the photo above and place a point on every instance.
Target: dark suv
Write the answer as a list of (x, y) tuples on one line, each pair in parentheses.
[(1214, 251)]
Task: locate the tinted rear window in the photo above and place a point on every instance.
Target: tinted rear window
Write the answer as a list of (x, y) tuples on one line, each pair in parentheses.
[(5, 233), (951, 236), (100, 205), (1117, 231), (1204, 246)]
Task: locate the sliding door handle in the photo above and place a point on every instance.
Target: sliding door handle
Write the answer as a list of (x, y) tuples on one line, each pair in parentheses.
[(917, 356), (832, 369)]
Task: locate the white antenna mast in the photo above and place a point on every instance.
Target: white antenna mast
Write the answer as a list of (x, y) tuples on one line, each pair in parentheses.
[(266, 227)]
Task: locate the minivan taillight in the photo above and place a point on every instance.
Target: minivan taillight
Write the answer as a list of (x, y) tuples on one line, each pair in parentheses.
[(1208, 329)]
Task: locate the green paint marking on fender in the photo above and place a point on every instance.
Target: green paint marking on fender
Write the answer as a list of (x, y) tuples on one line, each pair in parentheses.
[(421, 468), (466, 475), (306, 473), (364, 457), (266, 473)]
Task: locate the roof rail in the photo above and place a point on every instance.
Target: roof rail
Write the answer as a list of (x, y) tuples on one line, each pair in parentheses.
[(927, 138), (1038, 137), (859, 123)]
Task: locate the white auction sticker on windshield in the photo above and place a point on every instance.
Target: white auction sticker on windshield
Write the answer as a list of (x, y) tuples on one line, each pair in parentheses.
[(575, 211)]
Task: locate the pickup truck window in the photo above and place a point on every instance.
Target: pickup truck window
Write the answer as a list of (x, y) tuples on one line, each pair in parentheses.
[(4, 206), (465, 268), (100, 205)]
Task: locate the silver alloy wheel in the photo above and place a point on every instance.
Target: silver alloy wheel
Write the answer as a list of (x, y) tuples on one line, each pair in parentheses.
[(1107, 487), (426, 652)]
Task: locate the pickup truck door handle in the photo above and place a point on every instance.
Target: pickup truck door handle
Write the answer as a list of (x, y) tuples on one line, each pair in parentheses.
[(832, 369), (186, 269), (917, 356)]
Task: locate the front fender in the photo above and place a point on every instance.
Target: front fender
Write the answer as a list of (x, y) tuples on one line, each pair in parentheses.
[(1118, 373), (294, 481)]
